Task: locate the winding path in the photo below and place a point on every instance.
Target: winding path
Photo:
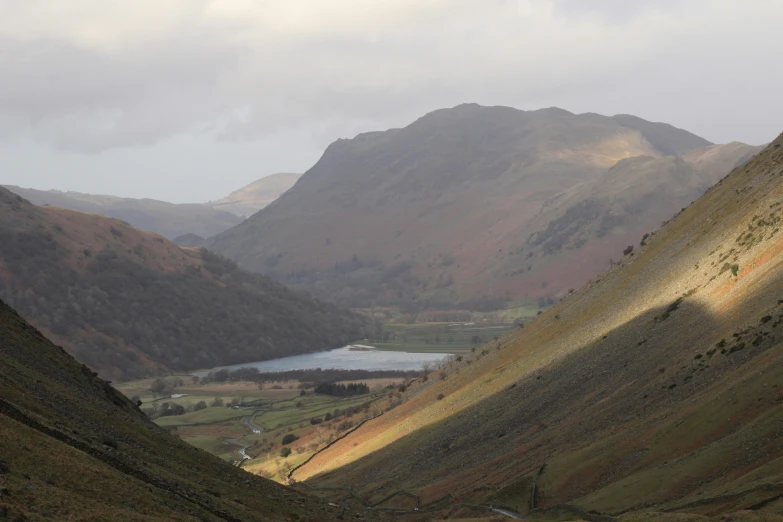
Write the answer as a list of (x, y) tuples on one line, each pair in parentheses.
[(241, 450)]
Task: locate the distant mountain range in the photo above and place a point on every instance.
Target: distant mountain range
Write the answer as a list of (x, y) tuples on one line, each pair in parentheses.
[(251, 198), (474, 206), (170, 220), (130, 303)]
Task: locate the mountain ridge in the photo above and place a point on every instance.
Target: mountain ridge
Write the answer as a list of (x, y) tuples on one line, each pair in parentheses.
[(130, 303), (451, 198)]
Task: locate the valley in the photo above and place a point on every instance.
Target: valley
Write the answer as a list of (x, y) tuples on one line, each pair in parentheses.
[(399, 261), (245, 422)]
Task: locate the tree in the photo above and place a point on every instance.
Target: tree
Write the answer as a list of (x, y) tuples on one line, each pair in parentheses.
[(159, 387), (285, 451), (289, 438)]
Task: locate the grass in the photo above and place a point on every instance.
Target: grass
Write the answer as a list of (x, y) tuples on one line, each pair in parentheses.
[(440, 337), (276, 413), (210, 415)]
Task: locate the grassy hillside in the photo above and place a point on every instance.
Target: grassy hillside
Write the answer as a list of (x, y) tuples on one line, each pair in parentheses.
[(473, 206), (73, 448), (655, 387), (130, 303), (167, 219)]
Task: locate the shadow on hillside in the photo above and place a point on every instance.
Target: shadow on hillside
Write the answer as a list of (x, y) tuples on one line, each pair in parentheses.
[(640, 370)]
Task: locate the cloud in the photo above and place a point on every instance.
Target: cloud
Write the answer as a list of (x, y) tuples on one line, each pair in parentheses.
[(89, 75)]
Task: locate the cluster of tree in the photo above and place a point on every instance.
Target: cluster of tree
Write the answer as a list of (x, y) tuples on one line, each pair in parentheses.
[(167, 409), (317, 375), (128, 320), (346, 413), (568, 230), (342, 390)]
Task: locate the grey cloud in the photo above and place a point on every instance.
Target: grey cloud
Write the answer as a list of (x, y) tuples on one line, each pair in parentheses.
[(97, 79)]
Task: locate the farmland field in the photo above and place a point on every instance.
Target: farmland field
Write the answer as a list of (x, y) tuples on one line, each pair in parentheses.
[(256, 420), (440, 337)]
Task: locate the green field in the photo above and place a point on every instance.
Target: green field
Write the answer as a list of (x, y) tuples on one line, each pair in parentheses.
[(211, 415), (259, 422), (440, 337)]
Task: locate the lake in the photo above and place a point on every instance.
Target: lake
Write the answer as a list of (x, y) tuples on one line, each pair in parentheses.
[(341, 359)]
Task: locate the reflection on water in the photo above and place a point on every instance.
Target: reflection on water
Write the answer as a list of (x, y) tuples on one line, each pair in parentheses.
[(342, 359)]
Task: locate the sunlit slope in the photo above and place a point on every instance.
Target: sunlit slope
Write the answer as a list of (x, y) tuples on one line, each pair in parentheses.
[(251, 198), (657, 386), (73, 448)]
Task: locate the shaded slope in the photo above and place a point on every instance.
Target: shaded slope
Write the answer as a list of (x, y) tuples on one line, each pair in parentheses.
[(130, 303), (167, 219), (656, 387), (440, 211), (73, 448)]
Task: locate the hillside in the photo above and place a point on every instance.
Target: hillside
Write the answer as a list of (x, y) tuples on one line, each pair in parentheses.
[(477, 205), (167, 219), (251, 198), (658, 386), (130, 303), (73, 448)]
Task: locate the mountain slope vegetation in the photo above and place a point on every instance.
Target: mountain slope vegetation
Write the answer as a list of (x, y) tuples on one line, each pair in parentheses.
[(658, 386), (473, 206), (73, 448), (130, 303), (170, 220)]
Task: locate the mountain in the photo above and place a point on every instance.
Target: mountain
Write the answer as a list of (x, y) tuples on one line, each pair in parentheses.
[(251, 198), (167, 219), (73, 448), (131, 303), (473, 206), (656, 387)]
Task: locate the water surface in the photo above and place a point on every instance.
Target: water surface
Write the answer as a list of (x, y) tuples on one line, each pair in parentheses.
[(341, 359)]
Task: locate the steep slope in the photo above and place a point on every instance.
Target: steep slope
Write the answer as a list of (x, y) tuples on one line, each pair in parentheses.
[(130, 303), (248, 200), (658, 386), (167, 219), (73, 448), (444, 210)]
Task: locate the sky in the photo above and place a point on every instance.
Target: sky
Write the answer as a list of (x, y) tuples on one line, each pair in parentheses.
[(187, 100)]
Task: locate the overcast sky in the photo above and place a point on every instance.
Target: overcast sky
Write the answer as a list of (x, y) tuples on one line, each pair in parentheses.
[(186, 100)]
